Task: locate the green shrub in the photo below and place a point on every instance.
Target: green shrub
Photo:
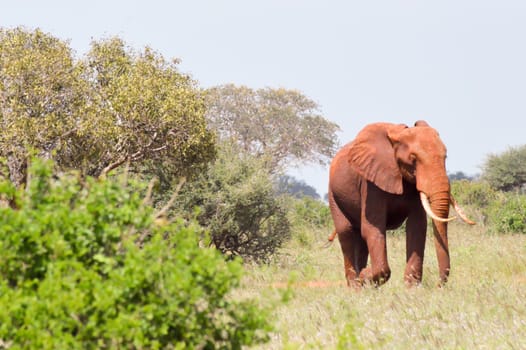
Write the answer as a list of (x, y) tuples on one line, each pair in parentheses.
[(508, 213), (72, 274), (478, 194), (310, 219), (238, 206), (312, 211), (502, 212), (476, 197)]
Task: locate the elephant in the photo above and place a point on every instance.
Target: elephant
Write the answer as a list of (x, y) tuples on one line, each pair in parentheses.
[(390, 173)]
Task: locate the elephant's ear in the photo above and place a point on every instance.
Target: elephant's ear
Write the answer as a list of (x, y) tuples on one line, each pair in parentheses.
[(372, 155), (421, 123)]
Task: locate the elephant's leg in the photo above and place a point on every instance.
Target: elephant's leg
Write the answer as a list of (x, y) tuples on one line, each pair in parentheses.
[(353, 246), (379, 272), (416, 227), (373, 228), (355, 255)]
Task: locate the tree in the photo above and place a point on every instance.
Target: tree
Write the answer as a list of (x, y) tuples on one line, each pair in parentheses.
[(114, 106), (297, 188), (459, 175), (237, 205), (506, 171), (42, 96), (152, 111), (282, 125)]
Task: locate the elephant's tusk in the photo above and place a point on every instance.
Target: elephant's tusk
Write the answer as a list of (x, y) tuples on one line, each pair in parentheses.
[(427, 208), (459, 210)]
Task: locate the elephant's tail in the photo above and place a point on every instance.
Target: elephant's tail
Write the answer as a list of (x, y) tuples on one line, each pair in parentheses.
[(332, 236), (330, 239)]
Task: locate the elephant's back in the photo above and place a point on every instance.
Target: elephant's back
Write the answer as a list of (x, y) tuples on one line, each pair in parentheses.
[(344, 184), (339, 163)]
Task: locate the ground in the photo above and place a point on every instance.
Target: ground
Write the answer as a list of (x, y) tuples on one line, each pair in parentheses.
[(482, 306)]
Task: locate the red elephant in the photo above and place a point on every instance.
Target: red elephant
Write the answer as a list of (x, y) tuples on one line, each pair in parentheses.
[(388, 174)]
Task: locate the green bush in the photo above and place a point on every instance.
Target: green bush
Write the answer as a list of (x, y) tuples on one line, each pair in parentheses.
[(312, 212), (477, 194), (502, 212), (238, 205), (508, 213), (73, 276), (476, 197), (310, 219)]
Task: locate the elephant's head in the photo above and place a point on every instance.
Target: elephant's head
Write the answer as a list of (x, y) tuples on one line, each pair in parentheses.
[(386, 154)]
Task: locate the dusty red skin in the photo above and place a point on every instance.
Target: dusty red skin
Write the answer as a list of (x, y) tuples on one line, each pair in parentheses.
[(374, 185)]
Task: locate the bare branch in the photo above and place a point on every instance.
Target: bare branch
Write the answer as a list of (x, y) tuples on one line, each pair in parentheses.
[(168, 205), (148, 198), (159, 148), (112, 166)]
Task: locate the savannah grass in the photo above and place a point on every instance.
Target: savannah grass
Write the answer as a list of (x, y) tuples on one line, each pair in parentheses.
[(483, 306)]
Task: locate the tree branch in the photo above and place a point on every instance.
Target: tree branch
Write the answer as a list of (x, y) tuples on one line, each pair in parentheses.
[(168, 205), (112, 166)]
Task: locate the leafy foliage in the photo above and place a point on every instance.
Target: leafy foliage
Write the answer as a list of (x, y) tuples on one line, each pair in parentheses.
[(310, 220), (283, 125), (95, 114), (508, 213), (477, 194), (238, 205), (40, 85), (476, 197), (506, 171), (502, 212), (312, 212), (150, 110), (72, 275)]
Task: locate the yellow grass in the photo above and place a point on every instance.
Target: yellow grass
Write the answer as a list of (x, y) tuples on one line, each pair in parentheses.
[(482, 307)]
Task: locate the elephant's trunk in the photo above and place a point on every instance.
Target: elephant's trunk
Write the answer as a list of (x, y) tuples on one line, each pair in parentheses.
[(440, 206), (429, 210)]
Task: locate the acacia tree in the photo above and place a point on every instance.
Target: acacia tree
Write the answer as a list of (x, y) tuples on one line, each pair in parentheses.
[(283, 125), (112, 107), (506, 171), (41, 96), (154, 112)]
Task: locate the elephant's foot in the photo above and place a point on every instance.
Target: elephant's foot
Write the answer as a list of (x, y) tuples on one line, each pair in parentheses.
[(352, 278), (442, 282), (411, 281), (376, 278), (355, 283), (444, 276), (413, 276)]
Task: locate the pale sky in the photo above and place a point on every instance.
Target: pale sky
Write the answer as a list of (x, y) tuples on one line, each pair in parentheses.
[(460, 65)]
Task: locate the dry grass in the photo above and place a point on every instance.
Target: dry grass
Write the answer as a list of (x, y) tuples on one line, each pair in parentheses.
[(482, 307)]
